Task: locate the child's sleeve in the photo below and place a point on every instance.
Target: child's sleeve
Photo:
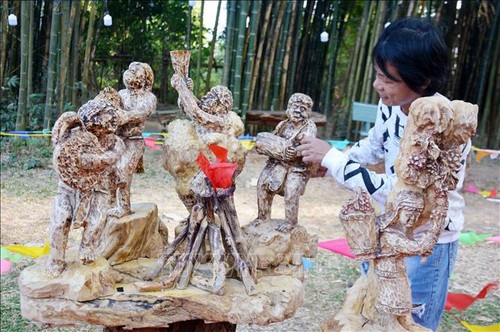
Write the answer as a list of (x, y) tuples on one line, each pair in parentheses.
[(348, 168), (351, 174)]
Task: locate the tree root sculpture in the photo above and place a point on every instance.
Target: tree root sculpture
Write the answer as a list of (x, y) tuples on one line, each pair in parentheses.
[(202, 222)]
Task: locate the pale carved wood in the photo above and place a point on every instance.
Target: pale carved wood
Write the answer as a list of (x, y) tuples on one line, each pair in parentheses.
[(213, 217), (85, 153), (285, 173), (100, 280), (427, 168), (138, 104)]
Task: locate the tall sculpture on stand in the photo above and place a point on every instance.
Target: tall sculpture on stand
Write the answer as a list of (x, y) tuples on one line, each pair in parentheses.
[(427, 169)]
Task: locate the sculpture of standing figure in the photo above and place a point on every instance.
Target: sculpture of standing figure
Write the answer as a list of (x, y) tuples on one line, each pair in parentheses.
[(285, 173), (85, 153), (138, 103), (415, 215)]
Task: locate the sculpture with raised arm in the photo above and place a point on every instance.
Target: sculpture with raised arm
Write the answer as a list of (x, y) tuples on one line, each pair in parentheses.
[(139, 103)]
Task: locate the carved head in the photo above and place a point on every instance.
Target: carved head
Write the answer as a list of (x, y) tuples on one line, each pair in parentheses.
[(465, 122), (406, 208), (219, 100), (139, 75), (432, 114), (299, 107), (99, 116)]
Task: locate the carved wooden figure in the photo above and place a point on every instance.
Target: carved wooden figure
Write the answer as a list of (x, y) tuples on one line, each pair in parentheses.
[(139, 103), (211, 123), (85, 151), (285, 173), (427, 168)]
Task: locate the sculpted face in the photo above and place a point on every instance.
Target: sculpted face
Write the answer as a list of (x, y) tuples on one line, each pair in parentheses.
[(299, 108), (408, 218), (298, 112), (133, 77), (138, 76), (218, 100)]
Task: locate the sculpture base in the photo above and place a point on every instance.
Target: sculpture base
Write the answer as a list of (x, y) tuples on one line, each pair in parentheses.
[(192, 325), (358, 312), (277, 298), (105, 293)]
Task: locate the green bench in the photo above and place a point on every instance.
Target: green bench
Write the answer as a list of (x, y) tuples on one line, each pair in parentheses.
[(365, 114)]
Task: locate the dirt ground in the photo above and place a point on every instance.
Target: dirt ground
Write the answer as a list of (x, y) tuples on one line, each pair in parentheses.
[(27, 197)]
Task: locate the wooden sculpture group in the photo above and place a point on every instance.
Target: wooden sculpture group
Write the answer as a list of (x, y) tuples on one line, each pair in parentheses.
[(124, 272)]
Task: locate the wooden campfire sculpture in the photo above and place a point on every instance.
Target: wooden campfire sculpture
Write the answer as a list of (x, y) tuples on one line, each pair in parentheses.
[(427, 169), (124, 273), (213, 215)]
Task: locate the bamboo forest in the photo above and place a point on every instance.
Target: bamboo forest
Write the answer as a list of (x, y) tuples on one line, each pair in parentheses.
[(61, 53)]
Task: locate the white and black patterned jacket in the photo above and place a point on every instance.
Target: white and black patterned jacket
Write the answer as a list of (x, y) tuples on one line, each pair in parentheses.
[(382, 144)]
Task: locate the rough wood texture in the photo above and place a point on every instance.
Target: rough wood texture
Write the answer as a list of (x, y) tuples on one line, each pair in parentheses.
[(285, 174), (104, 294), (278, 250), (213, 216), (427, 169), (138, 104), (85, 153), (133, 236), (121, 248)]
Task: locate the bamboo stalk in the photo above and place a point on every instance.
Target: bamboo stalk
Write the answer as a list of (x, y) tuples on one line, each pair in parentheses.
[(295, 56), (23, 80), (200, 50), (238, 64), (51, 71), (208, 84), (272, 54), (286, 59), (88, 49), (250, 58), (69, 12), (231, 14), (278, 67), (258, 58)]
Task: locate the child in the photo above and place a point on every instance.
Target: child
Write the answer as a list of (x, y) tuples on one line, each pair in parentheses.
[(410, 61)]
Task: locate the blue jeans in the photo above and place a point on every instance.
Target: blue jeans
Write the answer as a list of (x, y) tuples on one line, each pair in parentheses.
[(429, 283)]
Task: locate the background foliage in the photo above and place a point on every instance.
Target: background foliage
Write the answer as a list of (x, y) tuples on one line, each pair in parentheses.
[(60, 55)]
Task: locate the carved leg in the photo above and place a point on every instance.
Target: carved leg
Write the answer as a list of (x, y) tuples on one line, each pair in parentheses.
[(228, 208), (293, 189), (170, 250), (123, 196), (264, 203), (218, 252), (96, 220), (60, 223)]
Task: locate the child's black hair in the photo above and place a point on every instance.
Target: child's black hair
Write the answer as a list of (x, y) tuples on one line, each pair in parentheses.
[(417, 50)]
